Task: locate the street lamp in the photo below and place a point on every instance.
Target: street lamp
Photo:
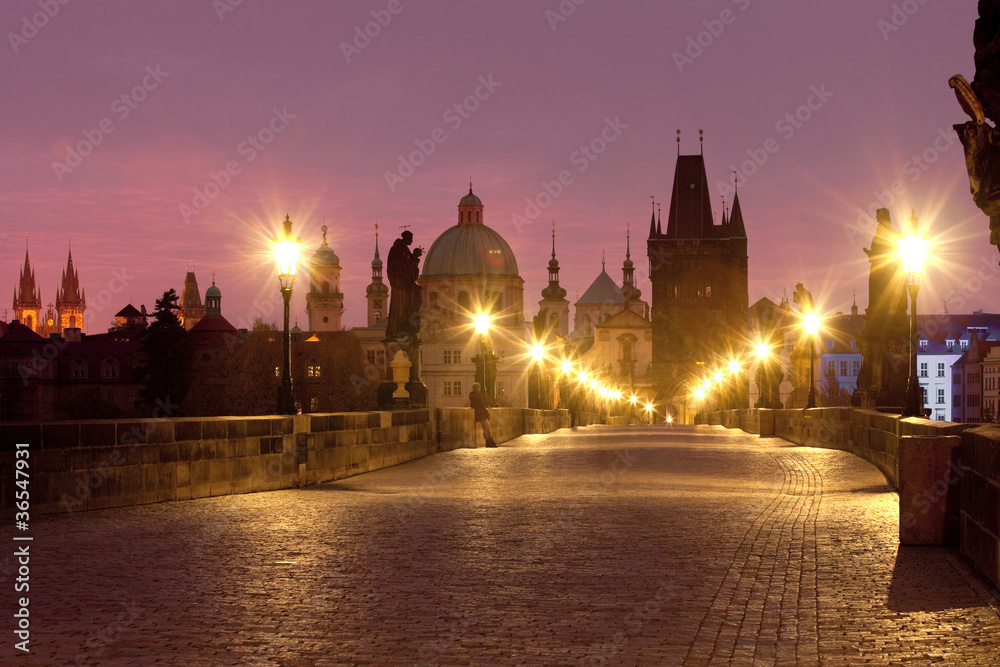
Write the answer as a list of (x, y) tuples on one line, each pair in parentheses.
[(811, 324), (286, 254), (913, 252), (537, 359)]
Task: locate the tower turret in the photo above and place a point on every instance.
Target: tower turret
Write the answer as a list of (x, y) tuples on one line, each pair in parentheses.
[(377, 291), (324, 301), (553, 309)]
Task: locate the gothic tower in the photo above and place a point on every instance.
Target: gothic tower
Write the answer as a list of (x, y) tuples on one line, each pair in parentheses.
[(28, 298), (377, 292), (192, 309), (698, 271), (324, 301), (70, 299), (553, 309)]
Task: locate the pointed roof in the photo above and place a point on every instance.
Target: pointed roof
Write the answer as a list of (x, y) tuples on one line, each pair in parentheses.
[(128, 312), (737, 230), (690, 215), (190, 294), (603, 290)]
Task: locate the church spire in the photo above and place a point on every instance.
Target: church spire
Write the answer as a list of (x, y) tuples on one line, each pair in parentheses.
[(377, 292), (629, 290), (554, 292)]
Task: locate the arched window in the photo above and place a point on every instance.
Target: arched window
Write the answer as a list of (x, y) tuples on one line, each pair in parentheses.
[(463, 300), (477, 216), (326, 287), (554, 321), (378, 317)]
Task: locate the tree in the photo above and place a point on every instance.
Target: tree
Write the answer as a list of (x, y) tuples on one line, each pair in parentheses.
[(167, 368), (831, 395)]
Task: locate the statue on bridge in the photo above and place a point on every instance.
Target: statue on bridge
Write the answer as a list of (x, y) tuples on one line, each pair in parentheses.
[(403, 269)]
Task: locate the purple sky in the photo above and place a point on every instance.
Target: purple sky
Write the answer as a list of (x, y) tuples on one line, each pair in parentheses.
[(555, 86)]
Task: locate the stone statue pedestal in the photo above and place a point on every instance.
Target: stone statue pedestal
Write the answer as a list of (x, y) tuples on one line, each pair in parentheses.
[(406, 390)]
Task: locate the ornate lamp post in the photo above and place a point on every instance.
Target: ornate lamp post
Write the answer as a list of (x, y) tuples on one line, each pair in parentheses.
[(286, 253), (811, 324), (913, 252), (537, 360)]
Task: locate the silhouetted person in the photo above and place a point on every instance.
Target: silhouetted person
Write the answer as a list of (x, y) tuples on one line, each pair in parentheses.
[(478, 402)]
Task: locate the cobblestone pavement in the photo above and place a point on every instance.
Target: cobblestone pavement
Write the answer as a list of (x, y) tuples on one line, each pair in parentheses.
[(605, 545)]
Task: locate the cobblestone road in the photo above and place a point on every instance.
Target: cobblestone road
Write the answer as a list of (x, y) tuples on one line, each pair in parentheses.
[(606, 545)]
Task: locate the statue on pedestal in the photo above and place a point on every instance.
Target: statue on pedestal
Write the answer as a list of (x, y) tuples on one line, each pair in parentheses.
[(885, 339), (402, 330)]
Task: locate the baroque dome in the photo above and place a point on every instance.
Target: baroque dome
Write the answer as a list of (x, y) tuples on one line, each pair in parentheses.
[(470, 247)]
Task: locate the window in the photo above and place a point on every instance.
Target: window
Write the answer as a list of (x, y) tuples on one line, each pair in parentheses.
[(463, 301), (950, 344), (109, 371), (854, 344), (110, 395), (452, 387), (312, 371), (326, 287), (378, 317), (434, 299), (941, 369), (452, 356), (371, 356), (831, 366), (940, 417), (964, 344), (843, 367), (708, 290), (923, 390), (829, 343), (376, 303), (940, 396), (855, 367), (79, 369), (923, 343), (923, 369)]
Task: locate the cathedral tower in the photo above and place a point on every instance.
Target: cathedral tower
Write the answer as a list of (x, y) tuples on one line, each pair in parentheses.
[(28, 298), (70, 299), (324, 301)]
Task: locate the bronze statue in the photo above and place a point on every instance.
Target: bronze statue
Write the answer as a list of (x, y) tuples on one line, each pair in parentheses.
[(403, 269), (981, 101)]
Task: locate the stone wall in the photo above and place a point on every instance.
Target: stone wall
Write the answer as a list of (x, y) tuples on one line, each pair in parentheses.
[(947, 475), (99, 464), (980, 499)]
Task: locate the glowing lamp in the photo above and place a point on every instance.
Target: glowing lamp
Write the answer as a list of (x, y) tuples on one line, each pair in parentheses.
[(286, 254), (482, 322), (913, 252)]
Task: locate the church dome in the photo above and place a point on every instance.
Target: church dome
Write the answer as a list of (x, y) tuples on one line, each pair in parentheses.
[(470, 250), (470, 247), (470, 199), (324, 257), (212, 291)]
